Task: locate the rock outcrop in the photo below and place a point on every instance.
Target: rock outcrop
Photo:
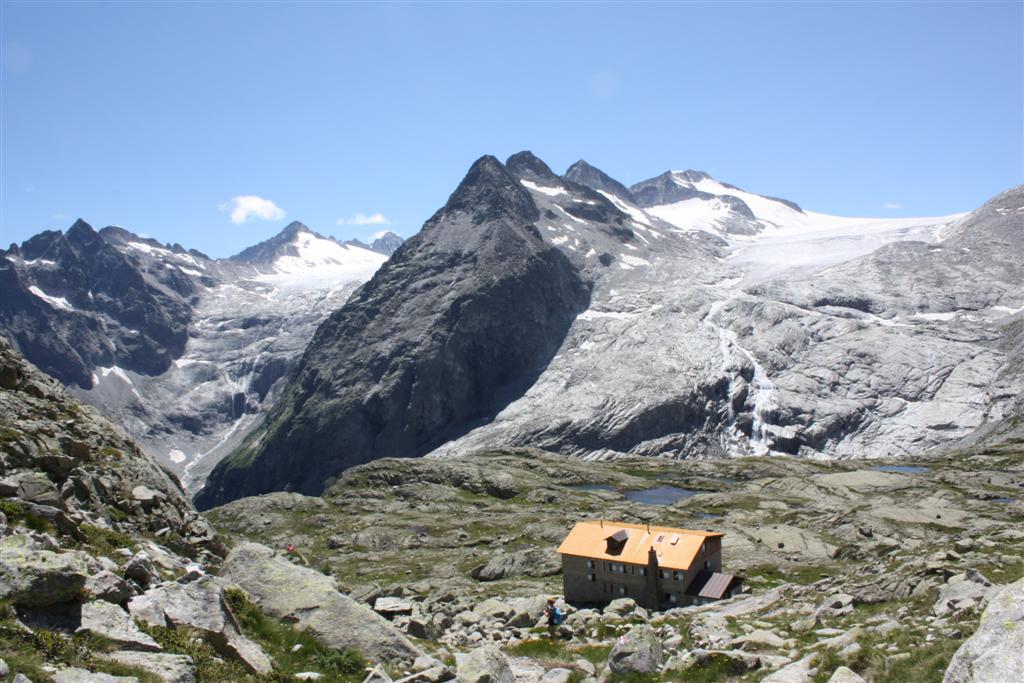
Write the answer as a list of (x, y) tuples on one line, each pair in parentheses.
[(312, 601), (995, 653)]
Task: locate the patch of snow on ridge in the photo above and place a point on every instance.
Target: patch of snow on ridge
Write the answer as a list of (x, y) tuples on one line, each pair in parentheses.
[(636, 214), (591, 314), (121, 375), (634, 260), (693, 214), (543, 189), (936, 316), (149, 249), (55, 301), (323, 263)]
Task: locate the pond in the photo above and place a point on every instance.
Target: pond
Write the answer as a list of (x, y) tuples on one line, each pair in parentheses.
[(1004, 500), (662, 495), (907, 469)]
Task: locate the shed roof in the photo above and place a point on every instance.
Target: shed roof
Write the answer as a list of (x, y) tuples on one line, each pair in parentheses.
[(712, 585), (676, 548)]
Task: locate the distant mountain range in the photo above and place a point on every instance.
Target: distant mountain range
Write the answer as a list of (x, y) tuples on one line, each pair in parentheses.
[(183, 350), (680, 317)]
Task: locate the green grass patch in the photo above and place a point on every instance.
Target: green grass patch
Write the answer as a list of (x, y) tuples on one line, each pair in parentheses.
[(105, 541), (595, 654), (712, 669), (774, 575), (27, 653), (16, 513)]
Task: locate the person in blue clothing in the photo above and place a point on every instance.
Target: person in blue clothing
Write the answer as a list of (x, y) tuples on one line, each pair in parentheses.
[(554, 616)]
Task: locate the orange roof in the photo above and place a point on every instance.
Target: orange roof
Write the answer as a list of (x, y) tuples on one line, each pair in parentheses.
[(676, 548)]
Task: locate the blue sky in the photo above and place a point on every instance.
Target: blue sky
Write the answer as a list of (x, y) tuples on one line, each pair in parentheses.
[(155, 116)]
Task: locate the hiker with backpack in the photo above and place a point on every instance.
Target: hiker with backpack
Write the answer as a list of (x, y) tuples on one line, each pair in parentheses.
[(555, 617)]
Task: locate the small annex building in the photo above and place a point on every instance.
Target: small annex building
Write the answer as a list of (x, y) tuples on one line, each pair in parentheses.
[(659, 567)]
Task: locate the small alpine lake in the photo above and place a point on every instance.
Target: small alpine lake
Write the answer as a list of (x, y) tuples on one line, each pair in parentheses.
[(662, 495), (905, 469)]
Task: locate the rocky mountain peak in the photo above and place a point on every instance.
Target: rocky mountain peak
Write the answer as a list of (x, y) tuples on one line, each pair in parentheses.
[(46, 242), (279, 245), (386, 242), (81, 234), (690, 175), (445, 334), (489, 192), (584, 174), (293, 229), (525, 165)]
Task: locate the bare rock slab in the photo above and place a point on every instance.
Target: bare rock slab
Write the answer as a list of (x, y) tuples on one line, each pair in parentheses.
[(312, 601), (169, 668), (109, 621)]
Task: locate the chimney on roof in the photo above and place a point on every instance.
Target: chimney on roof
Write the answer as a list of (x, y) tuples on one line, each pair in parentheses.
[(652, 588)]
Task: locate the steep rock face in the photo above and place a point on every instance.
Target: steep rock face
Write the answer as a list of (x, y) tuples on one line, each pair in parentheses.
[(458, 323), (73, 302)]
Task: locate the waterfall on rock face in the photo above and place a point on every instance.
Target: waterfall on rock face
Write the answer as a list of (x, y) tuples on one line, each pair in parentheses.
[(759, 392)]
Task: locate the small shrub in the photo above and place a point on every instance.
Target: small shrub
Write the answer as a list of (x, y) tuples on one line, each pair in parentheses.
[(105, 541)]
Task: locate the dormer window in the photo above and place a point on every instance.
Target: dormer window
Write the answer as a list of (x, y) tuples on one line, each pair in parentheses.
[(617, 542)]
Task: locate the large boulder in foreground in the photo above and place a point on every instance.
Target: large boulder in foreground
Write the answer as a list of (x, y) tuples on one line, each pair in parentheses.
[(34, 577), (995, 653), (200, 605), (637, 652), (312, 601), (484, 665)]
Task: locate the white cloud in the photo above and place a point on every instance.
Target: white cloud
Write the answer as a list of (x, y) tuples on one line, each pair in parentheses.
[(892, 205), (364, 219), (246, 207)]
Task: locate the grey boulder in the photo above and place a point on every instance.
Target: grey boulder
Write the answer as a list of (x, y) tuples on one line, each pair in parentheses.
[(200, 605), (962, 591), (33, 577), (109, 621), (169, 668), (637, 652), (106, 585), (312, 601), (484, 665), (995, 653)]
